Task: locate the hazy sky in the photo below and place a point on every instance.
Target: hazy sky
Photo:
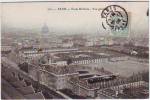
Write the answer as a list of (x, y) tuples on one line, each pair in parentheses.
[(34, 15)]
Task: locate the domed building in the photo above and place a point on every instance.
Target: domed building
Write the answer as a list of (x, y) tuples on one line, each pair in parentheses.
[(45, 29)]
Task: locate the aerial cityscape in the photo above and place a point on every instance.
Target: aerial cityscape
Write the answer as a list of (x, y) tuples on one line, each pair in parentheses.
[(43, 63)]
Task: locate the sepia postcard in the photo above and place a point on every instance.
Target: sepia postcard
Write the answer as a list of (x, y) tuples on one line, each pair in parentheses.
[(75, 50)]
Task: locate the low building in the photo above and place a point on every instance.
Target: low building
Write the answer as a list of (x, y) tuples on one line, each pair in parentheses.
[(54, 76), (33, 53), (5, 50), (83, 57)]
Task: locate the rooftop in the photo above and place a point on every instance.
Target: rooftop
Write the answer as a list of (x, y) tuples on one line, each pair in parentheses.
[(60, 70)]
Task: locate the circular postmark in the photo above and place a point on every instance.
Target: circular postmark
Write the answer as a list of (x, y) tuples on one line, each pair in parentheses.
[(115, 16)]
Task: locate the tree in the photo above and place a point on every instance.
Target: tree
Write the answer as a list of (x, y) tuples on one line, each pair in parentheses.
[(43, 61), (102, 69), (69, 61), (24, 67)]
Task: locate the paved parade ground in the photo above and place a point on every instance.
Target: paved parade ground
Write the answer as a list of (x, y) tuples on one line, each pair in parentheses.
[(123, 68)]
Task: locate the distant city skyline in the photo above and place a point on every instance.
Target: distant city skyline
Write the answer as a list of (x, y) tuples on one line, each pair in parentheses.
[(32, 16)]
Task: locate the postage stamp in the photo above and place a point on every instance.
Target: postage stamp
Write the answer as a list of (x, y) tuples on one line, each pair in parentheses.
[(117, 18)]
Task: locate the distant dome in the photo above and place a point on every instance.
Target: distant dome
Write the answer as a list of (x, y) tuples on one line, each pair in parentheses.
[(45, 29)]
